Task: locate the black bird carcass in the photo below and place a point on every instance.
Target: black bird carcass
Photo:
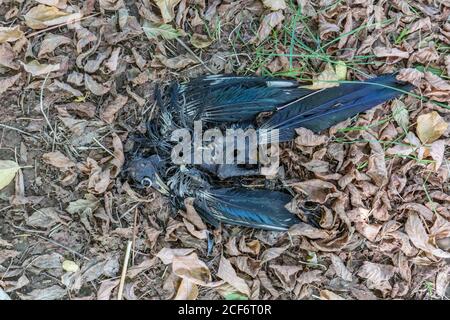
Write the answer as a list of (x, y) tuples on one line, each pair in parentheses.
[(227, 101)]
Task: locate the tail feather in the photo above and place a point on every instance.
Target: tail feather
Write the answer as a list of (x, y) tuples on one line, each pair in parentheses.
[(328, 107), (261, 209)]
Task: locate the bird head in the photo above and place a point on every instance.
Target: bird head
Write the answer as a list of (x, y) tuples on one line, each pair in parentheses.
[(146, 172)]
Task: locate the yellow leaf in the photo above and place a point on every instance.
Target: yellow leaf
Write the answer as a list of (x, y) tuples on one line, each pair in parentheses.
[(187, 290), (70, 266), (274, 5), (167, 8), (327, 79), (430, 127), (200, 41), (42, 16), (10, 34), (341, 70), (8, 170)]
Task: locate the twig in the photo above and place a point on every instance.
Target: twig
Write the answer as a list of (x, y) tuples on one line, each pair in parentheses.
[(193, 54), (41, 103), (34, 233), (103, 147), (15, 129), (124, 270)]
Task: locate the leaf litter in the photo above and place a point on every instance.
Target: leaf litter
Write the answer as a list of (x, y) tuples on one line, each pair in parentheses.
[(77, 79)]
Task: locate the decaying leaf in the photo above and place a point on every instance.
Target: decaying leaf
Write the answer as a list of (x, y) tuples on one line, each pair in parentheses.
[(275, 4), (430, 127), (38, 69), (228, 274), (191, 268), (42, 16), (10, 34), (6, 83), (269, 22), (167, 8), (326, 79), (200, 41), (400, 114), (8, 170), (166, 31), (58, 160)]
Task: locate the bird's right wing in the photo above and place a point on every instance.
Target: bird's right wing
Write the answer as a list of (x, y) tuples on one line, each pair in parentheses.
[(254, 208)]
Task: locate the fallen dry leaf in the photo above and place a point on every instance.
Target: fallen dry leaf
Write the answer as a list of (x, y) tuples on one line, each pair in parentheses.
[(275, 4), (326, 79), (58, 160), (187, 290), (10, 34), (228, 274), (430, 127), (42, 16), (108, 114), (167, 8), (6, 83), (37, 69), (8, 170), (269, 22), (191, 268)]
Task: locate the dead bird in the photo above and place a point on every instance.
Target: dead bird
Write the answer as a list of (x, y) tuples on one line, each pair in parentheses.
[(225, 100)]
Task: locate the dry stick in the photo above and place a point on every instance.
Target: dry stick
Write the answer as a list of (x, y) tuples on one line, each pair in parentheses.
[(61, 25), (124, 270), (41, 103), (195, 56)]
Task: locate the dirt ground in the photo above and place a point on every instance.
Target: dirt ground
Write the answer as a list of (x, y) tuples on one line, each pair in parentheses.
[(77, 79)]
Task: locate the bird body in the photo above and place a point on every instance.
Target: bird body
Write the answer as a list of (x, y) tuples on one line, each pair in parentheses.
[(224, 101)]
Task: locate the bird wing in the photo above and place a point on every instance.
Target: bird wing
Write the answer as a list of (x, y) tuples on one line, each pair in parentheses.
[(328, 107), (254, 208)]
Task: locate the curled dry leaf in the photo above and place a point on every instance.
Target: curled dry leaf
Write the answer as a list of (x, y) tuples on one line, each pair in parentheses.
[(410, 75), (8, 170), (93, 86), (167, 8), (6, 83), (167, 255), (275, 4), (42, 16), (400, 114), (10, 34), (166, 31), (316, 190), (430, 127), (8, 57), (58, 160), (269, 22), (191, 268), (37, 69), (178, 62), (187, 290), (329, 295), (308, 138), (228, 274), (419, 237), (326, 79), (44, 218), (200, 41), (61, 4), (382, 52), (108, 114), (51, 42)]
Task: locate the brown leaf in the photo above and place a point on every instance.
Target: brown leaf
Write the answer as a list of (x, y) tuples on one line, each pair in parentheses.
[(8, 57), (419, 237), (51, 42), (269, 22), (95, 87), (316, 190), (430, 127), (38, 69), (272, 253), (187, 290), (178, 62), (287, 275), (108, 114), (307, 230), (376, 273), (390, 52), (227, 273), (308, 138), (329, 295), (167, 8), (190, 267), (51, 293), (340, 268), (377, 166), (326, 79), (167, 255), (6, 83), (10, 34), (42, 16), (275, 5), (58, 160), (410, 75)]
